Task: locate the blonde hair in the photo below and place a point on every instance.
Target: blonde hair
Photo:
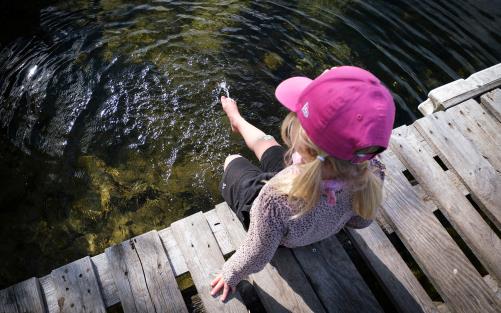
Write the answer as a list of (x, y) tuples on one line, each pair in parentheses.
[(304, 188)]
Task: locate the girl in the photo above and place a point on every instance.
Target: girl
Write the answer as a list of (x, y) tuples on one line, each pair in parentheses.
[(328, 177)]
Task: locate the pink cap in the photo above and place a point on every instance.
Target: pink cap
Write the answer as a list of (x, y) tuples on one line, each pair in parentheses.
[(343, 110)]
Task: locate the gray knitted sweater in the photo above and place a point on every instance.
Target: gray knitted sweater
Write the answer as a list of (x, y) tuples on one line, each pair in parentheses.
[(271, 226)]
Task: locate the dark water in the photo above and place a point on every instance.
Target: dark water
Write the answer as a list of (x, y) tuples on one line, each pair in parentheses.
[(109, 118)]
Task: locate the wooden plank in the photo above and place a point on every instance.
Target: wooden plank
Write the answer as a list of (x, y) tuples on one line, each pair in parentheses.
[(8, 301), (219, 231), (204, 259), (463, 89), (105, 279), (476, 112), (427, 200), (442, 308), (493, 284), (476, 232), (492, 103), (401, 286), (426, 107), (456, 181), (335, 278), (281, 285), (29, 296), (49, 293), (473, 169), (76, 287), (480, 128), (453, 93), (22, 297), (445, 265), (383, 223), (173, 252), (144, 277)]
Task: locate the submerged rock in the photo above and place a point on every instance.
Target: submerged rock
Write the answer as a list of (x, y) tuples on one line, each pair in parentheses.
[(272, 60)]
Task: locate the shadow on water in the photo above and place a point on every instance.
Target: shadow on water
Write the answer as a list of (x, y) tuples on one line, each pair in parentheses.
[(109, 115)]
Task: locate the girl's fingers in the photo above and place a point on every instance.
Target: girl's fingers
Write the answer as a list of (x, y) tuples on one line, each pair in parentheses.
[(214, 281), (216, 289), (225, 292)]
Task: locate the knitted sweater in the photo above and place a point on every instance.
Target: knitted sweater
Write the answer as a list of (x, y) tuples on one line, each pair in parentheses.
[(270, 226)]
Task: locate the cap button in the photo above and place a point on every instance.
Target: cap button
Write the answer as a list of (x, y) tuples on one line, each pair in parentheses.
[(359, 117)]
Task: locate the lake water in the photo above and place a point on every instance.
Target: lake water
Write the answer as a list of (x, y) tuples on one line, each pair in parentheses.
[(110, 124)]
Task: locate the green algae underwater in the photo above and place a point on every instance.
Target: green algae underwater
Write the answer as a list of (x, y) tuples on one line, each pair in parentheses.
[(110, 115)]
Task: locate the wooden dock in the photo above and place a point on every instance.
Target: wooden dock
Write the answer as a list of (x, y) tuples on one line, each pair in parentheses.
[(442, 201)]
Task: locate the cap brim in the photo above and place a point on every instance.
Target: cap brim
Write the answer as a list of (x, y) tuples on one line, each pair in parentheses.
[(288, 91)]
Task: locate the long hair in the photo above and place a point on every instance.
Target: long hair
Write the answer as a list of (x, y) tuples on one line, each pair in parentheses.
[(304, 187)]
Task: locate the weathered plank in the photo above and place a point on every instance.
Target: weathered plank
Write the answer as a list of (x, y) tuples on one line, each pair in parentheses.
[(452, 175), (23, 297), (476, 233), (49, 293), (383, 223), (335, 278), (480, 128), (401, 286), (143, 276), (427, 200), (493, 284), (442, 308), (426, 107), (105, 279), (174, 254), (281, 285), (474, 170), (492, 103), (204, 259), (219, 231), (457, 281), (460, 90), (457, 182), (76, 287)]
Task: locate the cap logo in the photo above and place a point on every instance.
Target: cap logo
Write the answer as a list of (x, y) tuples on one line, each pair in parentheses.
[(304, 109)]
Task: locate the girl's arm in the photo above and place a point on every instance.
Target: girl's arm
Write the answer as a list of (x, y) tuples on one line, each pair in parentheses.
[(266, 230)]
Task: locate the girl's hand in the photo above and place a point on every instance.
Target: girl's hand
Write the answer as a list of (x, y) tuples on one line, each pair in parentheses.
[(217, 284)]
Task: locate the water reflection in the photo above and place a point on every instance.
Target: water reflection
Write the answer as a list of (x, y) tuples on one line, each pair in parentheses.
[(110, 118)]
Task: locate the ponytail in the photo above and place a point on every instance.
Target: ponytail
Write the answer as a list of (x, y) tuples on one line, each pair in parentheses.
[(306, 186), (367, 192)]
